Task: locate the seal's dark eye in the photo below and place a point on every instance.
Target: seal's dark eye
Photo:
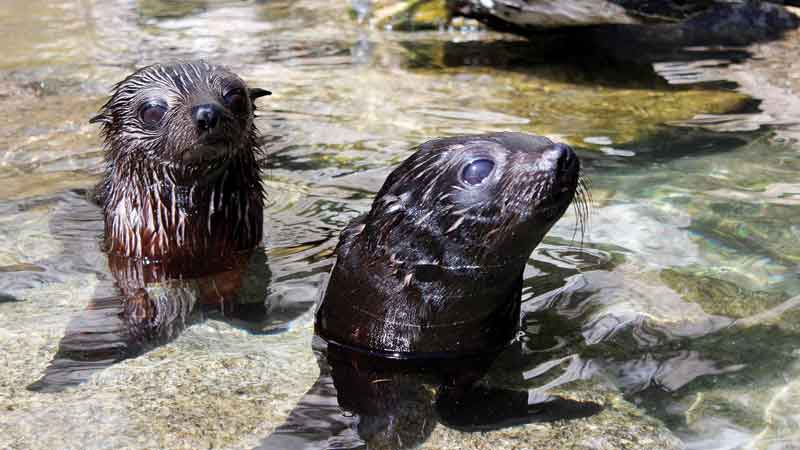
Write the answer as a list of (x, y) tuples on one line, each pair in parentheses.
[(476, 171), (235, 101), (152, 112)]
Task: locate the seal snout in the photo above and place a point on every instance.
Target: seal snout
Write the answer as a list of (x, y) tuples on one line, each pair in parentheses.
[(206, 117), (561, 159)]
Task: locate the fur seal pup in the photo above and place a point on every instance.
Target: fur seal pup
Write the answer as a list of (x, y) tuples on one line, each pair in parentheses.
[(435, 267), (182, 205), (424, 299), (181, 178)]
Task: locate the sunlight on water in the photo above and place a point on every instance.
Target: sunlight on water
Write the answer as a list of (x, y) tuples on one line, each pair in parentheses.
[(677, 308)]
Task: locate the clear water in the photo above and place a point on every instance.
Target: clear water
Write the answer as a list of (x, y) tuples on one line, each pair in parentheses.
[(681, 303)]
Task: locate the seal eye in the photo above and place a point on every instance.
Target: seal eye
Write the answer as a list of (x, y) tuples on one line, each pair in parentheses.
[(235, 101), (477, 171), (152, 112)]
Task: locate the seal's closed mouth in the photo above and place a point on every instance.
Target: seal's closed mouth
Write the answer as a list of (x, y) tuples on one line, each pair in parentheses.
[(206, 152)]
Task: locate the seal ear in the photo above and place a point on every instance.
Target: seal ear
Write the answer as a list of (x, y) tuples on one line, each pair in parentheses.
[(255, 93), (102, 118)]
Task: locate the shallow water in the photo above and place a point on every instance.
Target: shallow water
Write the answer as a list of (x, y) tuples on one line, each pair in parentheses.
[(680, 301)]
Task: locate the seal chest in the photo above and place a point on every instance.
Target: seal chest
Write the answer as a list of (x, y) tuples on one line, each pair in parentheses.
[(436, 265), (181, 177)]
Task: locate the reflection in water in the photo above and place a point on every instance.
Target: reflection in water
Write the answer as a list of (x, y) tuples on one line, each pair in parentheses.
[(363, 400), (152, 302), (7, 298), (573, 58), (660, 351)]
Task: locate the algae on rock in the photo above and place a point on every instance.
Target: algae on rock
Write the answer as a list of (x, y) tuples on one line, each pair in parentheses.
[(409, 15)]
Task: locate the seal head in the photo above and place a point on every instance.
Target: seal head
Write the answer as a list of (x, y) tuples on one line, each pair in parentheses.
[(436, 266), (181, 172)]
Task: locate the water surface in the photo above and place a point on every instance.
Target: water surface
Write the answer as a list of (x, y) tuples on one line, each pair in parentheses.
[(677, 309)]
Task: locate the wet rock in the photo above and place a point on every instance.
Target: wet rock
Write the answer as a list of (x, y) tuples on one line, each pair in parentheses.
[(662, 23), (404, 15)]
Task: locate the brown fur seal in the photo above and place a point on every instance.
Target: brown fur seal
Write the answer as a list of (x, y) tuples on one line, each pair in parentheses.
[(181, 177), (182, 205), (436, 266)]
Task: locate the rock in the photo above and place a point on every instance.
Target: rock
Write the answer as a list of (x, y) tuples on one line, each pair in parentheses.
[(662, 23), (544, 13), (404, 15)]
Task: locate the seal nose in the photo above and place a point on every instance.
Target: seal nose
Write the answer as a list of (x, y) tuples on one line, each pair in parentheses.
[(562, 157), (206, 117)]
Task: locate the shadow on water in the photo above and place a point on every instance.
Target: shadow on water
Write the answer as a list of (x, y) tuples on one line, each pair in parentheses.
[(156, 303), (8, 298), (665, 144), (19, 274), (617, 55), (620, 55), (147, 304), (363, 400), (569, 61)]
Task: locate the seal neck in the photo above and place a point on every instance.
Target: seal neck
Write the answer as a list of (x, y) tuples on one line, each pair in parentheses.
[(483, 274), (151, 216), (396, 313)]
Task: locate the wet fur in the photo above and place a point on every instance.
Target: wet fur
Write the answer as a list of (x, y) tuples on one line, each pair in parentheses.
[(180, 235), (157, 206), (436, 267)]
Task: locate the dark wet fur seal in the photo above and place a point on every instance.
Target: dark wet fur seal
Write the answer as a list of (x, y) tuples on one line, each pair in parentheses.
[(182, 205), (435, 268), (181, 173), (424, 298)]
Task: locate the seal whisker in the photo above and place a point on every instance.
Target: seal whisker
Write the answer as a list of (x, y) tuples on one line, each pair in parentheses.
[(583, 204)]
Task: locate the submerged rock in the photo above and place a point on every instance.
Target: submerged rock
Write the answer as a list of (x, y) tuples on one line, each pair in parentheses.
[(619, 425), (720, 297)]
